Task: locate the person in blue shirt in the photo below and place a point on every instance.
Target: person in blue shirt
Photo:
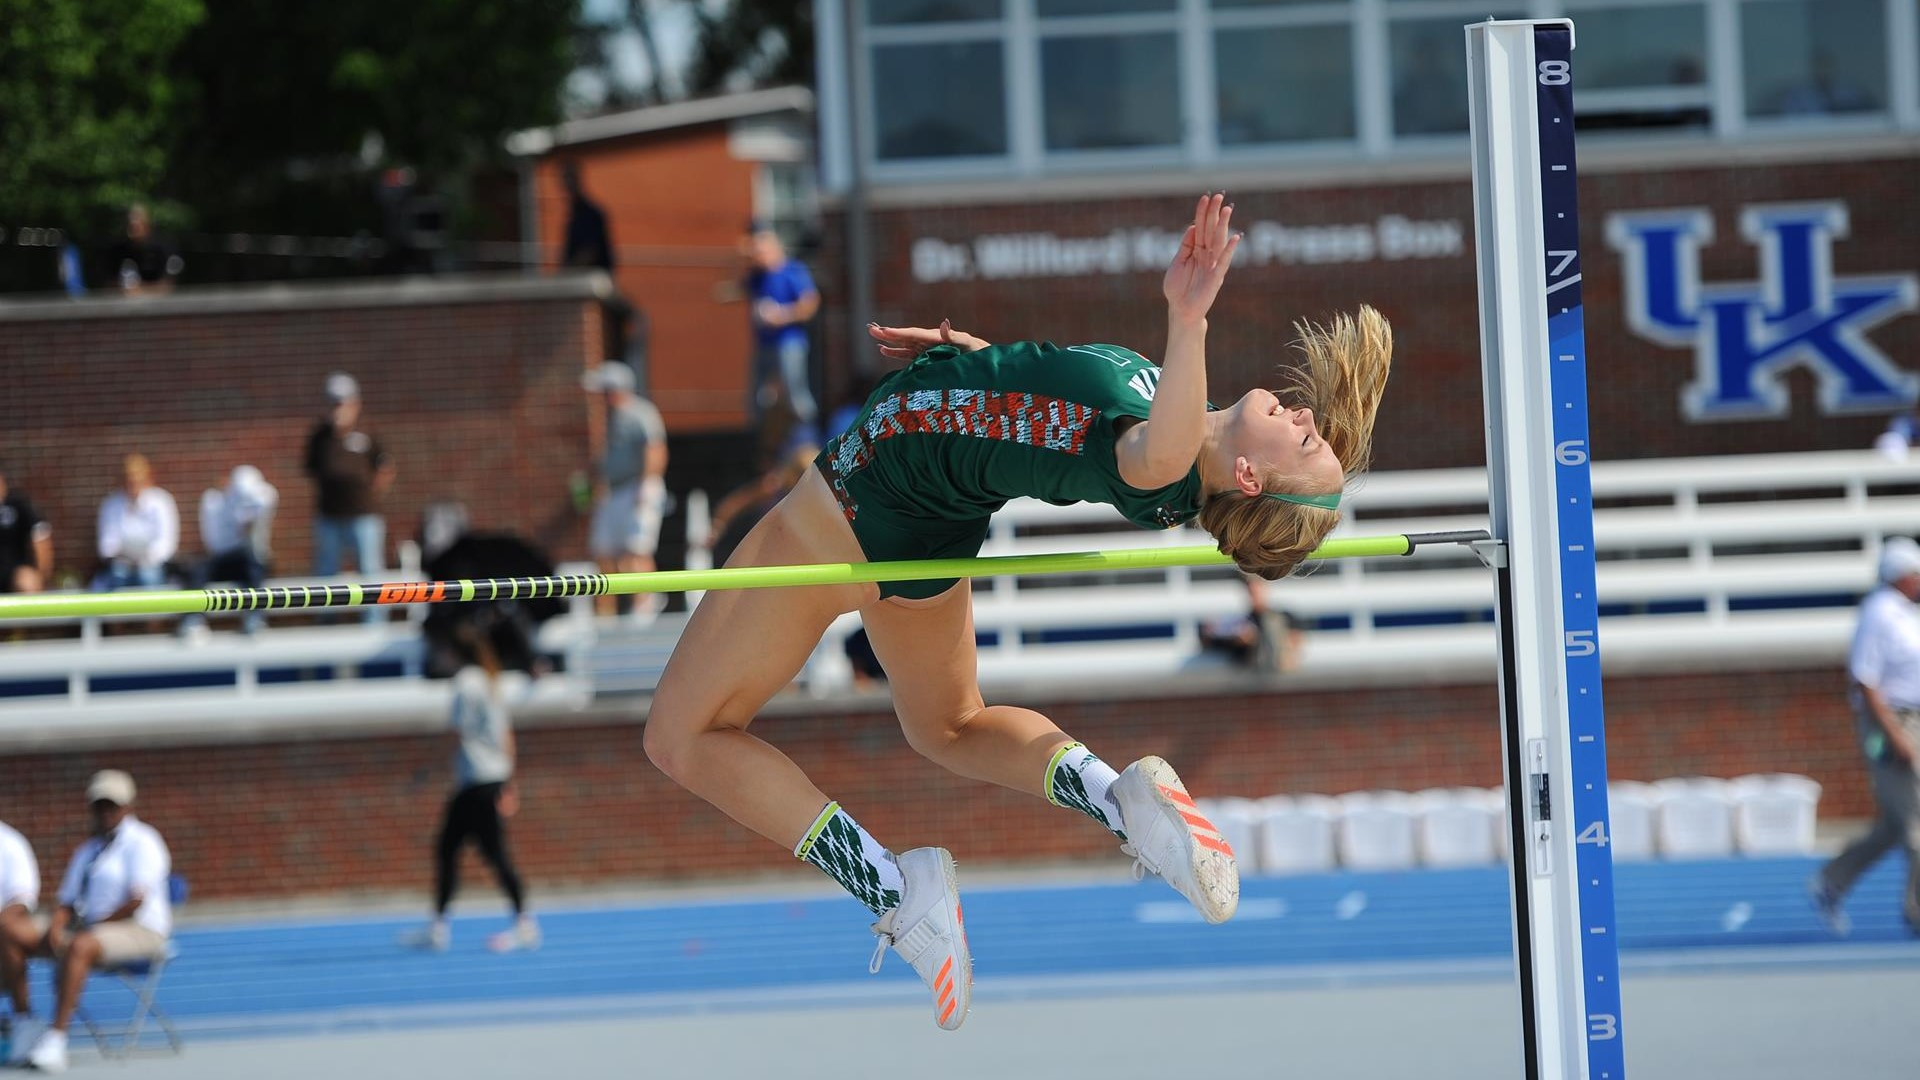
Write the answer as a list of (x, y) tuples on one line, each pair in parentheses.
[(782, 301)]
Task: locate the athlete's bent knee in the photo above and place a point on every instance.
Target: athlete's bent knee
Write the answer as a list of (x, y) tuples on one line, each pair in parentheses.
[(665, 749), (932, 739)]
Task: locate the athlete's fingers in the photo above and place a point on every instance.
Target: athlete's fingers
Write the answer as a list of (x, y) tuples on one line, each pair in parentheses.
[(904, 335), (1186, 245), (1222, 230), (1226, 254)]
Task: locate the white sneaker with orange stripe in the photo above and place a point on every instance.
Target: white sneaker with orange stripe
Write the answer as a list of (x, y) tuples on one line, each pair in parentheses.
[(925, 929), (1168, 836)]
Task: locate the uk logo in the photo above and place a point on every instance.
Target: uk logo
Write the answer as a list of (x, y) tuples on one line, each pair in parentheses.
[(1747, 335)]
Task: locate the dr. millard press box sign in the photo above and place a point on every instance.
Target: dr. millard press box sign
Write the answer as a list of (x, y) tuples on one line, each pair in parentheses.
[(1139, 250)]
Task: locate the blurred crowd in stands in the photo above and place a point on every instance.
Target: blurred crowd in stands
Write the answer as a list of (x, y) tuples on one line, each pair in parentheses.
[(139, 543)]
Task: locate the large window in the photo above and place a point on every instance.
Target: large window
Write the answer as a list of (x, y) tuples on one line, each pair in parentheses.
[(939, 78), (1283, 73), (1807, 59), (1429, 63), (940, 100), (896, 12), (1642, 64), (1109, 74), (1110, 91), (1283, 84), (1028, 86)]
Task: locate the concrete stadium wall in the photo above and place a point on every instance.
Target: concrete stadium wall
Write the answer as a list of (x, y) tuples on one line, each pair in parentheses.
[(284, 818)]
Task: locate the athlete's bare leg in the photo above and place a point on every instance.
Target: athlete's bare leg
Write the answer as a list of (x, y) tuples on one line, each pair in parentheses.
[(739, 649), (927, 648)]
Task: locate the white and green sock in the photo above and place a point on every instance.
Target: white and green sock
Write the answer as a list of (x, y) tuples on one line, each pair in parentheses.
[(851, 856), (1078, 780)]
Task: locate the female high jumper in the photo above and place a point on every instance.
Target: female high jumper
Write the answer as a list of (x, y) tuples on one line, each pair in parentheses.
[(941, 445)]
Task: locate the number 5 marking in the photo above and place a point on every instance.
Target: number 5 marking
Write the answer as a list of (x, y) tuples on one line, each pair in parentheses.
[(1581, 643)]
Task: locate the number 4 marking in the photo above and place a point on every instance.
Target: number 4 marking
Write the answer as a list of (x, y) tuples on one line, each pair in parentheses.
[(1566, 257), (1595, 833)]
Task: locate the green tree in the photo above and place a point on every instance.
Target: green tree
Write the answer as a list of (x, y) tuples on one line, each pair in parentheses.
[(752, 43), (282, 101), (85, 103)]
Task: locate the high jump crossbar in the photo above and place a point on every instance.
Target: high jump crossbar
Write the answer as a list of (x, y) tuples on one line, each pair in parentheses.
[(305, 597), (1540, 505)]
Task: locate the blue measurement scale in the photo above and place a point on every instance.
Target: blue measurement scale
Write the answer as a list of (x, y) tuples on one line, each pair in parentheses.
[(1587, 742)]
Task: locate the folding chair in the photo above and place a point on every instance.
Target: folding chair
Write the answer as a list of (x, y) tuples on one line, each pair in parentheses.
[(142, 979)]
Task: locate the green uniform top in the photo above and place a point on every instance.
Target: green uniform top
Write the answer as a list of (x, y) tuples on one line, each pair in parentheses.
[(944, 442)]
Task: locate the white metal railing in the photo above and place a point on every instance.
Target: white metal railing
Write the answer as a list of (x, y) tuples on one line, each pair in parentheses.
[(1730, 559), (246, 677), (1758, 555)]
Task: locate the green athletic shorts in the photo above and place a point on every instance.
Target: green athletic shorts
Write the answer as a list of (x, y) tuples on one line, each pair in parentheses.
[(892, 539)]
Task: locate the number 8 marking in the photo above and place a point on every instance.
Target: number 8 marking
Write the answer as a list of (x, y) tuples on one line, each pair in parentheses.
[(1555, 73)]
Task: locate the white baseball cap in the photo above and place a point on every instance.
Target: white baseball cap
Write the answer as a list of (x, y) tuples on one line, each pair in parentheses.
[(341, 387), (1899, 557), (110, 785), (612, 375)]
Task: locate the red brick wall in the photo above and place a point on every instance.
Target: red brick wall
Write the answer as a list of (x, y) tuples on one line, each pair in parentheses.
[(473, 401), (302, 817), (1432, 416), (677, 203)]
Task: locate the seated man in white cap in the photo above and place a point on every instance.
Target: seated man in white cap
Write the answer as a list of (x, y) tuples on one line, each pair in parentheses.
[(114, 908)]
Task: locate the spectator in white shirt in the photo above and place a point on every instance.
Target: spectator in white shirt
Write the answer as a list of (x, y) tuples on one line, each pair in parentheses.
[(236, 527), (19, 893), (139, 531), (1885, 666), (114, 907)]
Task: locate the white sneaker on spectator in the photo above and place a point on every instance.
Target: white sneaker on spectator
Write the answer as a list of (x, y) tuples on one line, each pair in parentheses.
[(49, 1053), (1168, 836), (525, 936), (433, 937), (925, 929), (646, 608), (26, 1032), (1827, 904)]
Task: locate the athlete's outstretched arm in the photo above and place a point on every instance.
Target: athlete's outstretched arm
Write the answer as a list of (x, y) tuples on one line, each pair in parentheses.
[(1159, 451), (907, 342)]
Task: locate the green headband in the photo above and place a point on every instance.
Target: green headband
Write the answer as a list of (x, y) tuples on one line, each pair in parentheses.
[(1329, 501)]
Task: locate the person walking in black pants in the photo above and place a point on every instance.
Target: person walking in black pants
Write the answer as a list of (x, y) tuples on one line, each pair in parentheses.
[(483, 795)]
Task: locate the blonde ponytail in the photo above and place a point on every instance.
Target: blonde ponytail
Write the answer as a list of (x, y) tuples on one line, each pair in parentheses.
[(1342, 380)]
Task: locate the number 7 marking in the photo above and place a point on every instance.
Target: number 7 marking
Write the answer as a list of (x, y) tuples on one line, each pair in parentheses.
[(1566, 257)]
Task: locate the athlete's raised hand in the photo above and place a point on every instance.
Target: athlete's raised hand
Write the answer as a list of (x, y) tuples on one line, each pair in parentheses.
[(1201, 263), (907, 342)]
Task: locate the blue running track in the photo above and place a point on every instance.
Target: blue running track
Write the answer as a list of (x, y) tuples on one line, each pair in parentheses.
[(277, 977)]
